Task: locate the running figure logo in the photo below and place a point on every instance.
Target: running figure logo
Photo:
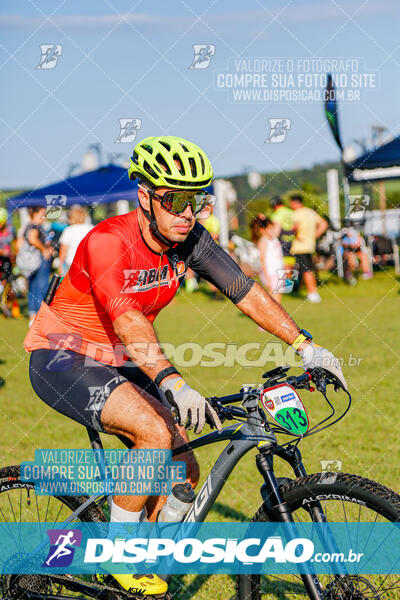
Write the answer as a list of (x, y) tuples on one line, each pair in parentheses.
[(358, 204), (278, 130), (285, 280), (128, 130), (50, 55), (98, 395), (54, 205), (203, 54), (60, 553)]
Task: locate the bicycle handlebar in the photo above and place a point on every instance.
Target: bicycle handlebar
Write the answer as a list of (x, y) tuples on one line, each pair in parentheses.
[(319, 376)]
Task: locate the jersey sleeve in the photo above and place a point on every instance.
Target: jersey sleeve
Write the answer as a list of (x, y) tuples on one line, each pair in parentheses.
[(108, 264), (215, 265)]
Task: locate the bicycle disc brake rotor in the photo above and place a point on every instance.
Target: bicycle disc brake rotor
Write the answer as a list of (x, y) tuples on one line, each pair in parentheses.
[(351, 587)]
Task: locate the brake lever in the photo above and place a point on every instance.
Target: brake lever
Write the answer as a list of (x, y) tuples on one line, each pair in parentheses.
[(319, 378)]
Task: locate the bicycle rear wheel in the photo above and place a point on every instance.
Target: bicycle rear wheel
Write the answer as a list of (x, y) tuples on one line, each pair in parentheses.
[(357, 500)]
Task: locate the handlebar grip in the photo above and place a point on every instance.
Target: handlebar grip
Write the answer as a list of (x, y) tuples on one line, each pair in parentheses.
[(300, 380)]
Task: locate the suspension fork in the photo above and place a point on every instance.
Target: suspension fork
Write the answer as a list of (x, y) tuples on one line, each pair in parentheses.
[(280, 510), (292, 455)]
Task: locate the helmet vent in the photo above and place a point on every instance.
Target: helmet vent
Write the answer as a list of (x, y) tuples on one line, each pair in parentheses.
[(148, 148), (149, 170), (166, 146), (184, 147), (178, 163), (193, 167), (194, 184), (203, 167), (161, 161)]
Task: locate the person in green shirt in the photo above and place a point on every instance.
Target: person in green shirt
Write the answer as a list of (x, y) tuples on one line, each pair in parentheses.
[(282, 217)]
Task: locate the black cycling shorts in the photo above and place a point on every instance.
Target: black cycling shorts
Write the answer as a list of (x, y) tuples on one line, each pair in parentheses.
[(77, 386), (304, 263)]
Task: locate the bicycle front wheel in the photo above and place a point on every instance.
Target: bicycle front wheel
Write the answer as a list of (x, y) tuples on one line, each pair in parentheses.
[(20, 504), (344, 498)]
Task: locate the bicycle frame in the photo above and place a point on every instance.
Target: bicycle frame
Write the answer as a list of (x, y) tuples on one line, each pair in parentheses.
[(242, 438)]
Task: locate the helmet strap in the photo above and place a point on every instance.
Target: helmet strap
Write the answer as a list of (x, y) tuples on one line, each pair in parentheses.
[(150, 216)]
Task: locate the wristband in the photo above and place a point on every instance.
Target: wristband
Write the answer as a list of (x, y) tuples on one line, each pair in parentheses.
[(302, 337), (164, 373)]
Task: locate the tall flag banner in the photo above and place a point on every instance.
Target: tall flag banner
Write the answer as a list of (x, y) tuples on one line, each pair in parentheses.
[(331, 110)]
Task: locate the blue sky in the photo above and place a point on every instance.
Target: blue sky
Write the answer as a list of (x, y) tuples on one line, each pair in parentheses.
[(130, 59)]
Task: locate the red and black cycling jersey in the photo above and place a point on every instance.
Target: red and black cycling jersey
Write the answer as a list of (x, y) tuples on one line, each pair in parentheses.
[(114, 271)]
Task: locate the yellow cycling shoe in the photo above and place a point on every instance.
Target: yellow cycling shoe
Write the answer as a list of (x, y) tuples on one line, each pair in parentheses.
[(146, 585)]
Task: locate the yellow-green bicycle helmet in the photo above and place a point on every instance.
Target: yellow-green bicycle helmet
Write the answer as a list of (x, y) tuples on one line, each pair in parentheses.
[(169, 161)]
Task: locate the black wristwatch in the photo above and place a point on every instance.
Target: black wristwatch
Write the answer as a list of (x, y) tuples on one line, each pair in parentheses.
[(163, 374)]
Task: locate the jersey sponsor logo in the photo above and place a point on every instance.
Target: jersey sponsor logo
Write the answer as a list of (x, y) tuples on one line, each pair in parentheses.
[(142, 280), (288, 397), (180, 268)]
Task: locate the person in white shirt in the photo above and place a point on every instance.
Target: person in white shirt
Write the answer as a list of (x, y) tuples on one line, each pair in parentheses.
[(271, 255), (72, 236)]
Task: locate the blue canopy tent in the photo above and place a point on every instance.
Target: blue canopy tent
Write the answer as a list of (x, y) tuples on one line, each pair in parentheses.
[(376, 164), (106, 184)]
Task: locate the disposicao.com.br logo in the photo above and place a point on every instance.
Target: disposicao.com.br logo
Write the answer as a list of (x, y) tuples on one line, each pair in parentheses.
[(203, 548), (212, 550)]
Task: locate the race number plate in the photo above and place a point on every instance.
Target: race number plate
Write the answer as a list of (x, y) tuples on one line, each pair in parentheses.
[(284, 405)]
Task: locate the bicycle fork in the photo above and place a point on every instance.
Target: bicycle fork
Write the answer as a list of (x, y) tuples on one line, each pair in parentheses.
[(279, 509)]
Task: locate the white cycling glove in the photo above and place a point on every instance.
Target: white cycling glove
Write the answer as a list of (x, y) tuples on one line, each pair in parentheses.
[(190, 404), (316, 356)]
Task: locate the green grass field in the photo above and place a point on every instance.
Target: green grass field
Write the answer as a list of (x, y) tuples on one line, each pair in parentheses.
[(360, 322)]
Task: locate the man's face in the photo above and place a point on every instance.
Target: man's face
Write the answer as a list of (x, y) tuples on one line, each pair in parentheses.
[(174, 227), (295, 204)]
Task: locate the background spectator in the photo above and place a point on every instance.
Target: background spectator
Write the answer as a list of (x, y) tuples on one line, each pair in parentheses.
[(354, 248), (213, 226), (309, 226), (72, 236), (282, 217), (256, 226), (38, 282), (271, 255)]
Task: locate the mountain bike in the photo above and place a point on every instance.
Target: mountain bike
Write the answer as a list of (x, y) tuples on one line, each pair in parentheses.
[(319, 497)]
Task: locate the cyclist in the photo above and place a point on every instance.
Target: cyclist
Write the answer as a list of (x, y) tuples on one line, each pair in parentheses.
[(124, 272)]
